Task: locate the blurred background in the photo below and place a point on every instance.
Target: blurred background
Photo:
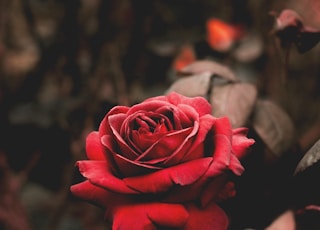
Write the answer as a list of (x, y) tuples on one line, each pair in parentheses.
[(64, 64)]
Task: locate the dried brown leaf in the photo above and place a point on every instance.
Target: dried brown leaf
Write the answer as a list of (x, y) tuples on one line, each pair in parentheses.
[(191, 86), (311, 157), (210, 66), (273, 125), (235, 100), (285, 221), (249, 49)]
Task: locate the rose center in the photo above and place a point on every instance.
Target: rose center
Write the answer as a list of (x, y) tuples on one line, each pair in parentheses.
[(147, 130), (147, 126)]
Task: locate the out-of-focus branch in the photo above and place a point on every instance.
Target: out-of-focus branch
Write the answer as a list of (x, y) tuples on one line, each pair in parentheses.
[(12, 212)]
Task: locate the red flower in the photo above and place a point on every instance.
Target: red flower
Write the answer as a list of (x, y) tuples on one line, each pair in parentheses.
[(162, 163), (221, 35), (185, 57)]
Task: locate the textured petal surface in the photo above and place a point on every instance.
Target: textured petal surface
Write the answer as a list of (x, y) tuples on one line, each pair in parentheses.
[(100, 174), (221, 155), (94, 148), (89, 192), (223, 126), (212, 189), (200, 104), (240, 142), (212, 217), (205, 125), (104, 127), (98, 196), (150, 216), (115, 123), (166, 146), (160, 181), (129, 168)]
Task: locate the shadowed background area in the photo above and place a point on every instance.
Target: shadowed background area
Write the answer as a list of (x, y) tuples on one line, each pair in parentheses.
[(64, 64)]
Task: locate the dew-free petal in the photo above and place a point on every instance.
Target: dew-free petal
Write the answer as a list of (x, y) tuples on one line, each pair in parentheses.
[(160, 181), (100, 174), (150, 216), (94, 148)]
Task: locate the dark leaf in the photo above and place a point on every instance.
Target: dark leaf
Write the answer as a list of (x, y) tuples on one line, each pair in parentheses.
[(288, 24), (235, 100), (273, 125), (249, 49), (209, 66), (310, 158), (291, 29), (306, 40), (191, 86)]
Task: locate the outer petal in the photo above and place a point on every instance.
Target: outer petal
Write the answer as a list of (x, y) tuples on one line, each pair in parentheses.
[(150, 216), (104, 127), (89, 192), (148, 105), (223, 158), (201, 105), (99, 174), (129, 168), (223, 126), (98, 196), (212, 217), (160, 181), (240, 142), (94, 148), (205, 125), (211, 191), (221, 155), (235, 165), (115, 122)]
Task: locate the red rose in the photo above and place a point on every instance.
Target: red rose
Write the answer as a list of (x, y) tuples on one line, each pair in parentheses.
[(162, 163)]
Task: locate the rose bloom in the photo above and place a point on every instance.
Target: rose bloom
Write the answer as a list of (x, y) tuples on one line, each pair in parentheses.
[(163, 163)]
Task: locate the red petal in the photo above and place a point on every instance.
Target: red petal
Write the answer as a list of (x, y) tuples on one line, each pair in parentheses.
[(148, 106), (162, 180), (187, 115), (115, 122), (94, 148), (240, 143), (206, 123), (89, 192), (104, 127), (212, 217), (179, 156), (168, 145), (222, 150), (212, 190), (168, 215), (235, 165), (188, 193), (100, 174), (131, 168), (100, 197), (223, 126), (221, 156), (200, 104), (109, 142), (149, 216)]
